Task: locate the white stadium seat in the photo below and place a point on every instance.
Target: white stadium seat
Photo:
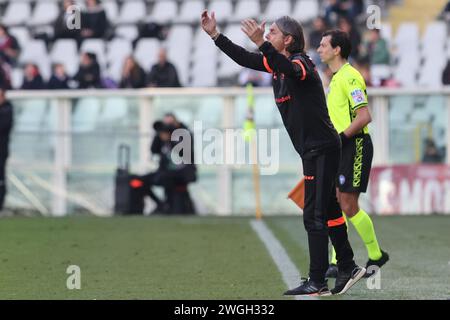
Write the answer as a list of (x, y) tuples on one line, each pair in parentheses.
[(45, 12), (35, 52), (276, 9), (190, 11), (132, 11), (128, 32), (146, 53), (21, 33), (118, 51), (164, 11), (112, 10), (16, 13), (65, 51), (246, 9), (222, 8), (179, 44), (305, 10)]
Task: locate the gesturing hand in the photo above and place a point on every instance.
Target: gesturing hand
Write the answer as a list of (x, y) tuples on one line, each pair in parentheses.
[(209, 23), (254, 31)]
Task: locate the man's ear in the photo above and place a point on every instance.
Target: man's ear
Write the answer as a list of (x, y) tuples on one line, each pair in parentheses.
[(288, 40), (337, 50)]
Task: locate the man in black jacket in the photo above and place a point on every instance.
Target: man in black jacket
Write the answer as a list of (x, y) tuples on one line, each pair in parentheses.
[(6, 123), (163, 73), (300, 98)]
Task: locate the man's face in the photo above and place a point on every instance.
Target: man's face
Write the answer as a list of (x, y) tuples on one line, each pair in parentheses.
[(276, 38), (326, 51)]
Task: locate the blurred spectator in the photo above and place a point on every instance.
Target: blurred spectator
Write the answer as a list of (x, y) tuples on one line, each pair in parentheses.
[(59, 78), (346, 25), (9, 47), (377, 48), (88, 75), (6, 123), (32, 79), (60, 29), (163, 73), (94, 23), (5, 75), (363, 67), (446, 74), (446, 12), (256, 78), (315, 36), (431, 154), (133, 76), (346, 8)]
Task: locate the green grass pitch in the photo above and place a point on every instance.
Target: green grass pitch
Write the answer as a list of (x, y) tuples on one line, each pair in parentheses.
[(203, 258)]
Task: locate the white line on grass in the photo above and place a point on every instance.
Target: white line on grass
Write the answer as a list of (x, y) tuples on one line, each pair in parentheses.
[(288, 270)]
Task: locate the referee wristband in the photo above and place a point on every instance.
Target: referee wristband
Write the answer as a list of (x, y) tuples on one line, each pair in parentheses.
[(344, 138)]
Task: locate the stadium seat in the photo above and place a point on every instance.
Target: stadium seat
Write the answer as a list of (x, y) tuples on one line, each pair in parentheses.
[(112, 10), (164, 11), (190, 11), (65, 51), (305, 10), (433, 41), (179, 44), (407, 36), (128, 32), (222, 8), (227, 67), (431, 71), (146, 52), (16, 13), (21, 33), (386, 32), (96, 46), (246, 9), (118, 51), (16, 77), (276, 9), (45, 12), (35, 52), (204, 70), (132, 11)]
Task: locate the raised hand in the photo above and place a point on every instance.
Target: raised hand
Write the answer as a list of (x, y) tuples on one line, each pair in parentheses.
[(254, 31), (209, 23)]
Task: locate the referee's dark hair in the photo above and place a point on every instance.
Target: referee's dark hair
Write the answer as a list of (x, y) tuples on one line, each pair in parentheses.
[(290, 27), (340, 39)]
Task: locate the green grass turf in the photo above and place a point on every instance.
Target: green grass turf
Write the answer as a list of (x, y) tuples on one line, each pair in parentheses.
[(202, 258)]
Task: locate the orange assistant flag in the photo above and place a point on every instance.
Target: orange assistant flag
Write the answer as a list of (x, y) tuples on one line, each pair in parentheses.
[(298, 194)]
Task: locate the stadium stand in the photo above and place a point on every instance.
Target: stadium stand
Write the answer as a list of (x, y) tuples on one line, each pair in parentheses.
[(197, 62)]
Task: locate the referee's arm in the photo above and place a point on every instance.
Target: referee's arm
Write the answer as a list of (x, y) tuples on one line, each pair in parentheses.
[(362, 119)]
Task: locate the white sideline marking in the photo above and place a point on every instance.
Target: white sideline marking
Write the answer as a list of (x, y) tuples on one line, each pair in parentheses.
[(288, 270)]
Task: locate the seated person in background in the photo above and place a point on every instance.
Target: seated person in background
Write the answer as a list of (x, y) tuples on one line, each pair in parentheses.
[(163, 73), (133, 76), (315, 36), (94, 23), (431, 154), (32, 79), (446, 74), (60, 29), (88, 75), (376, 48), (347, 25), (59, 78), (169, 174), (9, 47)]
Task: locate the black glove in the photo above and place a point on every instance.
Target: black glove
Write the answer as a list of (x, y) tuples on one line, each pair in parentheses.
[(344, 138)]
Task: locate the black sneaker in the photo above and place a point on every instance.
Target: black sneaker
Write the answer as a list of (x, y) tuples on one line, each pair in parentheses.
[(345, 280), (309, 288), (332, 271), (373, 266)]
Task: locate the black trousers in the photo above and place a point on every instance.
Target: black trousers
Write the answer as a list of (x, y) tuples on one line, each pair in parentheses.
[(322, 215), (2, 180)]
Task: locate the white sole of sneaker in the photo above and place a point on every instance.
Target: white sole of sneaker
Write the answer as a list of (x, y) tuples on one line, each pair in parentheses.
[(350, 284)]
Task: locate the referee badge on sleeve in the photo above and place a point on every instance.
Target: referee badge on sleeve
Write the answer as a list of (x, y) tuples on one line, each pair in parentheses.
[(358, 96), (341, 179)]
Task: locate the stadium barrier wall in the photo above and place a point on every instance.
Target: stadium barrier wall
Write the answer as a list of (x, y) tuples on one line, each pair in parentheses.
[(63, 147)]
